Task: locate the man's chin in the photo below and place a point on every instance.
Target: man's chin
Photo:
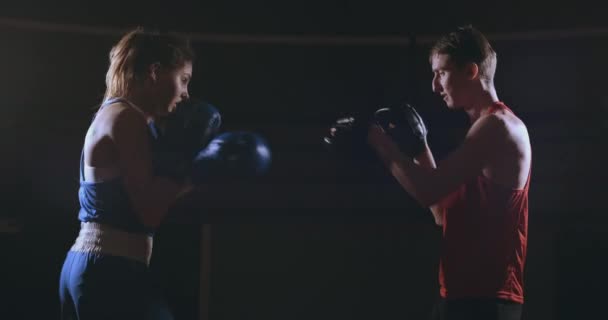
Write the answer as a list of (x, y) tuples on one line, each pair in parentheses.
[(450, 105)]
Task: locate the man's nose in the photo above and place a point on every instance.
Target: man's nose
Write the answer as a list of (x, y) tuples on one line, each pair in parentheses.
[(436, 87)]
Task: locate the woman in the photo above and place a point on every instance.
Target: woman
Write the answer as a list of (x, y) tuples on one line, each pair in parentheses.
[(105, 273)]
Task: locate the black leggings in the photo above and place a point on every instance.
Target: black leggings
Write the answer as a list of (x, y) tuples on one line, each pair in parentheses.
[(476, 309)]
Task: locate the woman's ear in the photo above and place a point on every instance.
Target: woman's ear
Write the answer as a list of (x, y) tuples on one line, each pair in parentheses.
[(153, 71)]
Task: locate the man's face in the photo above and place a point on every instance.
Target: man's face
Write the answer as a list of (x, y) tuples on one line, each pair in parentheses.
[(449, 80)]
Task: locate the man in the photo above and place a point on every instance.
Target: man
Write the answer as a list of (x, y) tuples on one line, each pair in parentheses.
[(479, 193)]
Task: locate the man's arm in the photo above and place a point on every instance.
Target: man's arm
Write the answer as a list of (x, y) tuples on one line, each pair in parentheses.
[(426, 160), (484, 141)]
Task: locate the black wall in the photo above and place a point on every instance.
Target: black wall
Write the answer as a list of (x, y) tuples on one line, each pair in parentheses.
[(312, 239)]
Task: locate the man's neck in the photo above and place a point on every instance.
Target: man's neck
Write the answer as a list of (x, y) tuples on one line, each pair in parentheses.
[(481, 104)]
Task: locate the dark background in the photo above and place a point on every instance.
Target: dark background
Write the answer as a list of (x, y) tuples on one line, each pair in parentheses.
[(313, 239)]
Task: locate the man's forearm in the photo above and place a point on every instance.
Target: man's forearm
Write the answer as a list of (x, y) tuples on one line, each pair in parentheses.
[(422, 183), (426, 160), (414, 178)]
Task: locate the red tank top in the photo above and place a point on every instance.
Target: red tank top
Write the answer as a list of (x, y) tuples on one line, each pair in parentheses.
[(483, 248)]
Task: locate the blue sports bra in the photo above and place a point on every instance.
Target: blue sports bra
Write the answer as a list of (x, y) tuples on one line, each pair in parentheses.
[(107, 202)]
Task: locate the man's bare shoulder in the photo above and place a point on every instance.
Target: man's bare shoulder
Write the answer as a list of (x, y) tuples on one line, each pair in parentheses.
[(515, 128), (502, 126)]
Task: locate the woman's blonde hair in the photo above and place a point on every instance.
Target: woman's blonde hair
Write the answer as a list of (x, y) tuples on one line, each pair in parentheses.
[(131, 56)]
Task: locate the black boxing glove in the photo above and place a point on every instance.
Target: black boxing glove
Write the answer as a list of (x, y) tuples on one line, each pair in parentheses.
[(405, 127), (346, 136)]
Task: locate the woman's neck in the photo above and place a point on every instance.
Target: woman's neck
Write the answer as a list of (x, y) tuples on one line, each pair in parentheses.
[(141, 103)]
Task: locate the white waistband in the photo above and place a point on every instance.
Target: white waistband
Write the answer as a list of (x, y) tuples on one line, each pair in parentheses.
[(104, 239)]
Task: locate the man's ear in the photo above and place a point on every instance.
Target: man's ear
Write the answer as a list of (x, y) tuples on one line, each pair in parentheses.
[(472, 70), (153, 71)]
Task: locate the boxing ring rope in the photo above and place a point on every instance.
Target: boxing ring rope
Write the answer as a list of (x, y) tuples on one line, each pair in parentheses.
[(299, 40)]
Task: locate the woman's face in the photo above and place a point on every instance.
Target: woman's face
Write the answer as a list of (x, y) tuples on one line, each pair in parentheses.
[(171, 87)]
